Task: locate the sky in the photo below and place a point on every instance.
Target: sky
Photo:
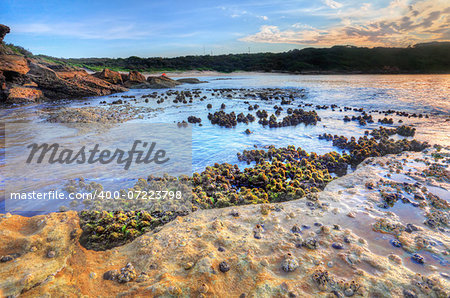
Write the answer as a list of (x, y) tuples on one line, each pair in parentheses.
[(148, 28)]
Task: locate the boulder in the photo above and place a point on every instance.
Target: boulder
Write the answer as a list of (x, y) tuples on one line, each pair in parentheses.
[(110, 76), (133, 78), (20, 94), (191, 81), (162, 82), (136, 76), (13, 63), (3, 31)]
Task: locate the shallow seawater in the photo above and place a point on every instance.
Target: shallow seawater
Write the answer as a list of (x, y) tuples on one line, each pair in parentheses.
[(427, 94)]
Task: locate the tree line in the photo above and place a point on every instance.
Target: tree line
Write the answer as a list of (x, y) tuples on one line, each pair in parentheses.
[(421, 58)]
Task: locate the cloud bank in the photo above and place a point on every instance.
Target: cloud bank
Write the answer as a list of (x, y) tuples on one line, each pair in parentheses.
[(400, 24)]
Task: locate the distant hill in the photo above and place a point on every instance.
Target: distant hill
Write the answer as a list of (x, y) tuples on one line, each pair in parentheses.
[(421, 58)]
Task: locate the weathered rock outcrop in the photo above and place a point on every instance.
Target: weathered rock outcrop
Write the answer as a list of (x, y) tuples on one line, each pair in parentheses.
[(162, 82), (55, 87), (110, 76), (124, 77)]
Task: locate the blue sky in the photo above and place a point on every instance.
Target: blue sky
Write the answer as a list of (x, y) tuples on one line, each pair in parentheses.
[(173, 28)]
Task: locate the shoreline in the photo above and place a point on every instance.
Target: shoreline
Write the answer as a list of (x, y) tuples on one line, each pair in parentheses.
[(208, 73)]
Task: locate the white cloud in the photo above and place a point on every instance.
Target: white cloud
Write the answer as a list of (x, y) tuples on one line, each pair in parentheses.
[(333, 4), (302, 26), (237, 13)]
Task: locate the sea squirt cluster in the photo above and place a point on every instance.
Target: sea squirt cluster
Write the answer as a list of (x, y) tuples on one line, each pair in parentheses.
[(223, 119), (103, 230), (371, 147), (296, 117)]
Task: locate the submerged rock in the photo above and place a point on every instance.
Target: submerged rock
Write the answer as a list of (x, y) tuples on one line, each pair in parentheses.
[(296, 229), (396, 243)]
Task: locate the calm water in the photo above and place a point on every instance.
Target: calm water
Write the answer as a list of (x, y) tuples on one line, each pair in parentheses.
[(428, 94)]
